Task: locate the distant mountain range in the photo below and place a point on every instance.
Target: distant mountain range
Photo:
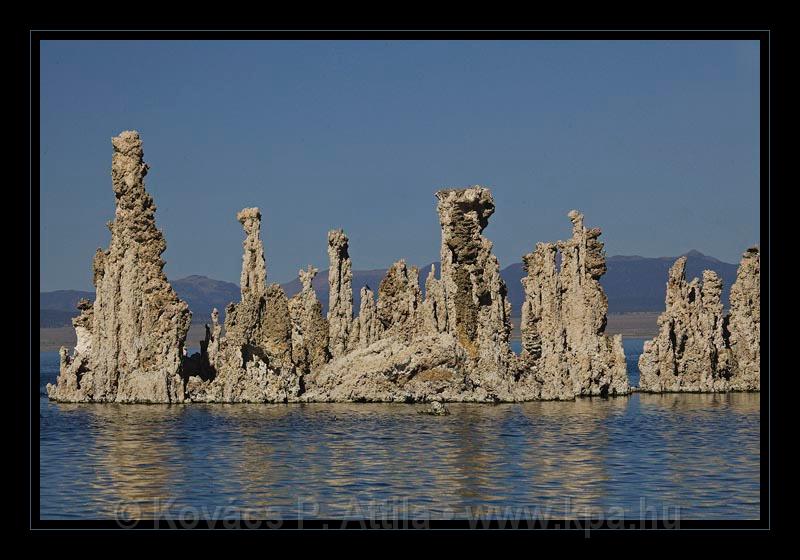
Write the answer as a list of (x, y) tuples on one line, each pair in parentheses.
[(632, 284)]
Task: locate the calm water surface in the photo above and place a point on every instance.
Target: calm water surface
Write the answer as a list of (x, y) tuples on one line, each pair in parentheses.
[(696, 456)]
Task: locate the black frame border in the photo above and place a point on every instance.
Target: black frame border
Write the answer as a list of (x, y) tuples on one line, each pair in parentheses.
[(31, 67)]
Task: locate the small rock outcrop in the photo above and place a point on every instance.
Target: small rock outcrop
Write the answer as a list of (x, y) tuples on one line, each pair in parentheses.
[(436, 408), (564, 349), (130, 341), (698, 349)]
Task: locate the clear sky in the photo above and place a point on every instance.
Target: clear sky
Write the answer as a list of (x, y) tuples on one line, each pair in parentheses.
[(656, 142)]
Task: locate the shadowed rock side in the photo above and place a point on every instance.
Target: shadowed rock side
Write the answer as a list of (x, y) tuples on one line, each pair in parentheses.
[(130, 341), (697, 348), (565, 352)]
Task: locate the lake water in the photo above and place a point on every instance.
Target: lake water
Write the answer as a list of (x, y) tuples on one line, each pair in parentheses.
[(689, 456)]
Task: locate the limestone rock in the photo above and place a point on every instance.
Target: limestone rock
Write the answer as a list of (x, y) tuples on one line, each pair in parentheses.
[(277, 327), (130, 341), (436, 409), (744, 324), (474, 295), (309, 327), (340, 294), (392, 370), (564, 349), (252, 362), (244, 320), (253, 279), (83, 325), (697, 349), (689, 353), (240, 381), (367, 323), (452, 346), (209, 349), (399, 299), (470, 300), (434, 308)]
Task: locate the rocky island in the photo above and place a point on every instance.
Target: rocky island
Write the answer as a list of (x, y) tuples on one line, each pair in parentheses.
[(449, 345), (698, 349)]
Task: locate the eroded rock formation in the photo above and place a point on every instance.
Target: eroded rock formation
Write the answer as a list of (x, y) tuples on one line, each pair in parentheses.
[(474, 306), (399, 298), (697, 348), (340, 294), (278, 327), (309, 327), (366, 327), (564, 349), (130, 341), (453, 345), (252, 362), (435, 311), (686, 353), (450, 345), (244, 320), (744, 324)]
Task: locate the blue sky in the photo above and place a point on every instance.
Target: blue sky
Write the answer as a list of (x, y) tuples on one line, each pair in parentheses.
[(656, 142)]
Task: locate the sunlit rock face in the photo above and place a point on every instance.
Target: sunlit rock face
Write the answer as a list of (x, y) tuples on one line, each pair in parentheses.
[(130, 341), (475, 309), (699, 349), (744, 324), (686, 354), (252, 362), (399, 300), (453, 344), (277, 326), (366, 330), (469, 301), (244, 320), (309, 327), (450, 345), (564, 349), (340, 293)]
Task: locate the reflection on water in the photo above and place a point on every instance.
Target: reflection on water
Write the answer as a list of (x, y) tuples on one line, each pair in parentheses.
[(643, 453)]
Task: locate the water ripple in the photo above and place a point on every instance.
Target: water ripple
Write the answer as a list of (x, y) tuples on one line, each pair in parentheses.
[(642, 453)]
